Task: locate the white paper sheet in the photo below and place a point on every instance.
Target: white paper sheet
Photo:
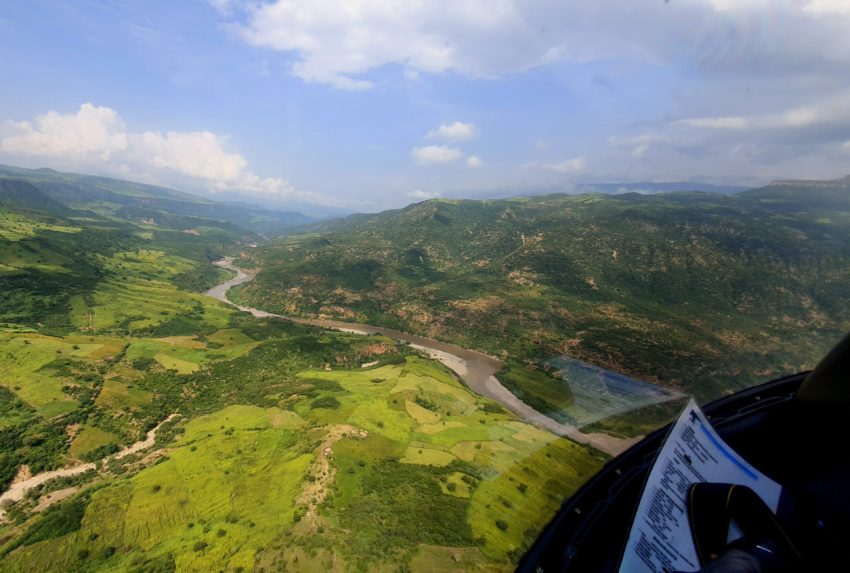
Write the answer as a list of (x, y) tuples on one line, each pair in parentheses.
[(660, 540)]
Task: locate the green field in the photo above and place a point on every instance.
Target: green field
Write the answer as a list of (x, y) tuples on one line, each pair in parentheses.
[(285, 451), (371, 479), (281, 452), (88, 439)]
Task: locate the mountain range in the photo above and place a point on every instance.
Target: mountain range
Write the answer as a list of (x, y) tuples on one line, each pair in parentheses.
[(138, 201), (705, 292)]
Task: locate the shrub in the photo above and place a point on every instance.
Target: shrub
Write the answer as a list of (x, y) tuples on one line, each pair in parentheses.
[(503, 525), (328, 402)]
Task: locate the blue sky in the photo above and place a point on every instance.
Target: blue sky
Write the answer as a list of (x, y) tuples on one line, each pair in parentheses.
[(371, 104)]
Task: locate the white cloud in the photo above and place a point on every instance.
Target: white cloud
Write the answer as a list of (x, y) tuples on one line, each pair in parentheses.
[(455, 131), (569, 166), (474, 161), (639, 144), (793, 141), (424, 195), (196, 154), (728, 122), (828, 7), (96, 138), (338, 42), (431, 154), (829, 112), (93, 133)]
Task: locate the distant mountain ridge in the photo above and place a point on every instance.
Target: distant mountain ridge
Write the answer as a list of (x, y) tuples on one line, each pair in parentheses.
[(740, 287), (648, 187), (23, 195), (133, 200), (843, 182)]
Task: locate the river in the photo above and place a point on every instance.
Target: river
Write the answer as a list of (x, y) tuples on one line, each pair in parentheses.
[(475, 368)]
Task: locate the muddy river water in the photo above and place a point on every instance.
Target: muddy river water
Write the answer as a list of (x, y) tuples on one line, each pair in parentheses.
[(475, 368)]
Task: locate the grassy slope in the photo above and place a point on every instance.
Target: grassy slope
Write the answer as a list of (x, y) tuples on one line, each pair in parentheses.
[(113, 341), (80, 292), (707, 292), (137, 201), (209, 504)]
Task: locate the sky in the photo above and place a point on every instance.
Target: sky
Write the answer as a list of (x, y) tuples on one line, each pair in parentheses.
[(366, 105)]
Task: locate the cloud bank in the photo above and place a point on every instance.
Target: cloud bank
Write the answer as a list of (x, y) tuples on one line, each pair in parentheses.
[(96, 138), (339, 42)]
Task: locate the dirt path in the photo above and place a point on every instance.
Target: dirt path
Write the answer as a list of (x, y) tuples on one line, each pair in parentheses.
[(55, 497), (476, 369), (315, 492), (20, 487)]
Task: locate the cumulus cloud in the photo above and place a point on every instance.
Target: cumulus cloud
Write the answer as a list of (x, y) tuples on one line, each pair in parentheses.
[(455, 131), (93, 133), (96, 138), (474, 161), (424, 195), (196, 154), (569, 166), (338, 42), (431, 154), (828, 7)]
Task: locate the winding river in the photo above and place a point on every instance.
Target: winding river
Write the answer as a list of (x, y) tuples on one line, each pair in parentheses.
[(476, 369)]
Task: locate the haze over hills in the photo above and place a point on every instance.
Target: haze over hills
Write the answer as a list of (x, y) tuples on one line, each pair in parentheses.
[(140, 201), (703, 291)]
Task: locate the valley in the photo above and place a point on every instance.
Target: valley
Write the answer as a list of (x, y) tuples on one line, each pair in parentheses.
[(701, 293), (154, 428), (419, 287), (417, 390), (474, 368)]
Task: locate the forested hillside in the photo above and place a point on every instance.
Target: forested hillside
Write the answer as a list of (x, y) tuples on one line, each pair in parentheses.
[(702, 291), (140, 202), (190, 436)]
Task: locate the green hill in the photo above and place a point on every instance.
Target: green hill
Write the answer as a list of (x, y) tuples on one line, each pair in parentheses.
[(700, 291), (18, 194), (54, 260), (138, 201), (286, 447)]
